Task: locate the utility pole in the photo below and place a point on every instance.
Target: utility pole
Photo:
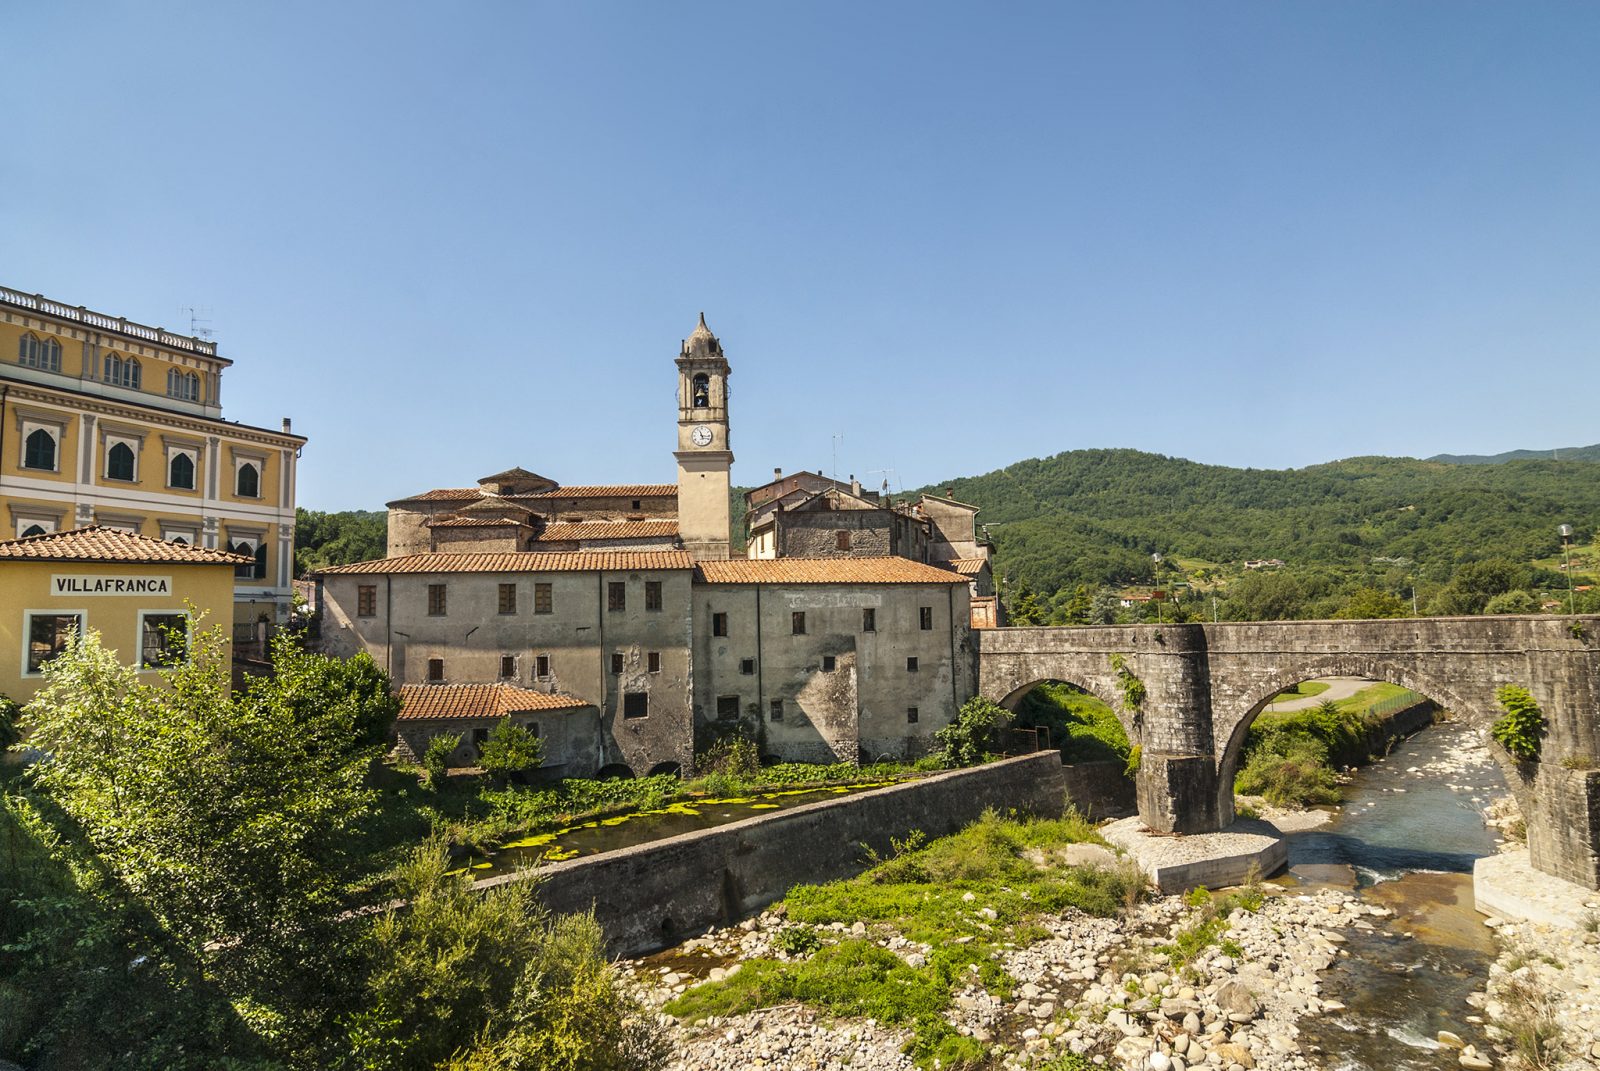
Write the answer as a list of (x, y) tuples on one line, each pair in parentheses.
[(1566, 547)]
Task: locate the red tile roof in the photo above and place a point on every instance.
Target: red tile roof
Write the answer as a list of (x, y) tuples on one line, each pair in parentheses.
[(969, 566), (454, 521), (824, 571), (437, 701), (524, 561), (99, 544), (583, 530), (621, 490), (440, 494)]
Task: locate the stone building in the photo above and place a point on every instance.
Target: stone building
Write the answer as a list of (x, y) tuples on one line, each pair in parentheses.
[(623, 601), (111, 423), (606, 629), (568, 727), (830, 660)]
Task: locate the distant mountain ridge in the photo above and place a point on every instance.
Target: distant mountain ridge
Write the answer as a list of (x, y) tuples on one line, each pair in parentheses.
[(1565, 453)]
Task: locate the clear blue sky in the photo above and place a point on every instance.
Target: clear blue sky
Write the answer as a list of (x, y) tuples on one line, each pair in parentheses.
[(452, 237)]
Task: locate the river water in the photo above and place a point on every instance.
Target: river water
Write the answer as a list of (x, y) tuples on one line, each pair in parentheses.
[(1406, 838)]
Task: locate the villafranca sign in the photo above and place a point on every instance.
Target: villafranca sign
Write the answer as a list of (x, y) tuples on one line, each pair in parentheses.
[(109, 584)]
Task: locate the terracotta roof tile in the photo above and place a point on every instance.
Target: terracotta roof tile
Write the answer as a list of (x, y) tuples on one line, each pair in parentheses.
[(584, 530), (453, 521), (440, 494), (969, 566), (621, 490), (824, 571), (523, 561), (99, 544), (436, 701)]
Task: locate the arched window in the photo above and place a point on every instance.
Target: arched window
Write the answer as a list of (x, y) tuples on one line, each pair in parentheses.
[(35, 352), (33, 530), (122, 373), (244, 570), (180, 472), (183, 385), (119, 462), (249, 481), (39, 451), (701, 391)]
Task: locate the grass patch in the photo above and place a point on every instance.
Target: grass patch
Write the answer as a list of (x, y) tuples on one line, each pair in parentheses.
[(1303, 690), (965, 896), (1210, 921), (1086, 729), (1290, 757)]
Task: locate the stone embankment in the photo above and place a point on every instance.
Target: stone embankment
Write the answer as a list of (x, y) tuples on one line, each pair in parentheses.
[(1101, 988)]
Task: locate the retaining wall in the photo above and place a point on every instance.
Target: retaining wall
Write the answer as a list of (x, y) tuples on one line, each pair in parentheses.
[(1100, 789), (654, 895)]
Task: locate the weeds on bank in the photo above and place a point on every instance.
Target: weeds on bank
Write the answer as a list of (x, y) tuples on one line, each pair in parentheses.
[(1210, 922), (965, 896), (1530, 1024)]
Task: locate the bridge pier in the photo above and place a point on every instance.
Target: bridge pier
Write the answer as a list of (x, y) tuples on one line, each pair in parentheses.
[(1178, 793)]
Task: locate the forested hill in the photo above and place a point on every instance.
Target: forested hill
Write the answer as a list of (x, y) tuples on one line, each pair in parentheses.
[(1565, 453), (1095, 516)]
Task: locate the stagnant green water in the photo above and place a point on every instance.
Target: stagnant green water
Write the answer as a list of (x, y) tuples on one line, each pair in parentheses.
[(640, 827)]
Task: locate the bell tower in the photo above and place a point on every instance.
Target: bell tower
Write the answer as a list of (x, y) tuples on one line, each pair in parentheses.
[(704, 453)]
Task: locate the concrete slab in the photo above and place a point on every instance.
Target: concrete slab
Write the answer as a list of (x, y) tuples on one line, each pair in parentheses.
[(1506, 886), (1178, 863)]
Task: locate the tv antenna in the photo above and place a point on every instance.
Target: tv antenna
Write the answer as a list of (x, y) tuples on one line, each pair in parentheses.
[(199, 321)]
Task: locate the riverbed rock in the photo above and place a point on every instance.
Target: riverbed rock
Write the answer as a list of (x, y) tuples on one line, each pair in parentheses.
[(1237, 1002), (1451, 1040)]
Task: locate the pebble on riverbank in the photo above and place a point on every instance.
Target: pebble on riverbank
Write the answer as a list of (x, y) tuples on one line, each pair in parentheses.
[(1089, 988)]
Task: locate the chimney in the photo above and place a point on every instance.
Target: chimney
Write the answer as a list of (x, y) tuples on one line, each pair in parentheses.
[(855, 485), (287, 424), (777, 474), (949, 492)]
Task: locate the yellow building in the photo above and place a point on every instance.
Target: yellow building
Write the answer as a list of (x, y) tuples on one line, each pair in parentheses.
[(107, 422), (132, 589)]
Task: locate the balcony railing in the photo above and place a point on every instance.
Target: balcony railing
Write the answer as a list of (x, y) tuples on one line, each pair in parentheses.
[(99, 320)]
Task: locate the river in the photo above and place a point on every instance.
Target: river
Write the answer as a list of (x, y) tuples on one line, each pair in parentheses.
[(1406, 839)]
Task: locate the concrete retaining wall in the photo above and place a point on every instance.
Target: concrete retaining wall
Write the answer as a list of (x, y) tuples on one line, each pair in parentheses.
[(655, 895)]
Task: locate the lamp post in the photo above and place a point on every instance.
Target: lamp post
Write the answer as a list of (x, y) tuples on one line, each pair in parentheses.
[(1566, 548), (1155, 592)]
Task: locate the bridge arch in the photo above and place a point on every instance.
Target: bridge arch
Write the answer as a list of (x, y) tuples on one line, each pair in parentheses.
[(1131, 726), (1233, 721)]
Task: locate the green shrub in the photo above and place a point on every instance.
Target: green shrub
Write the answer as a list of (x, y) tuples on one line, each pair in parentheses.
[(969, 739), (1520, 729), (797, 940), (436, 758), (1289, 771), (510, 749), (1132, 687), (1083, 727), (733, 757)]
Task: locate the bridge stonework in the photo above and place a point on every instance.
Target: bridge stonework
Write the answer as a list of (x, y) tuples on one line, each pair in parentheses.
[(1205, 684)]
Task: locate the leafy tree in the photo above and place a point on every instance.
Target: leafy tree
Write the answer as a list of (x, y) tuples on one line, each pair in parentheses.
[(1078, 607), (322, 539), (1512, 602), (510, 749), (1367, 603), (1104, 608), (1475, 583), (231, 819), (491, 982), (971, 736), (1022, 606)]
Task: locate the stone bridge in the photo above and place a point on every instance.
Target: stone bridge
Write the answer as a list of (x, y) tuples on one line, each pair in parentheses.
[(1205, 684)]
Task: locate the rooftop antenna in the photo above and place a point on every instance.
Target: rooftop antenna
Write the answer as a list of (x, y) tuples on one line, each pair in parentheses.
[(835, 473), (199, 321)]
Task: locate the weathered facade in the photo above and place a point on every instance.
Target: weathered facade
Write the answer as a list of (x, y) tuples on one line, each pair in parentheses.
[(610, 629), (827, 661), (568, 728), (1205, 684)]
